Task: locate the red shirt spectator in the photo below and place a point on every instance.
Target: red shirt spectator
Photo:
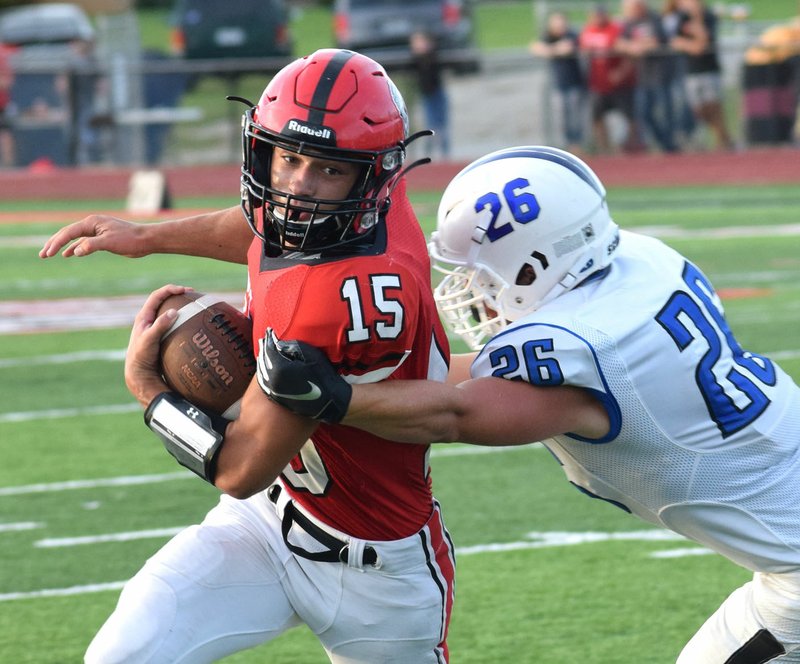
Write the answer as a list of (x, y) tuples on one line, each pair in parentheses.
[(607, 70)]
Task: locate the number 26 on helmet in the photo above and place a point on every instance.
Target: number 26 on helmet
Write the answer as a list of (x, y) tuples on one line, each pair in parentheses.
[(515, 229)]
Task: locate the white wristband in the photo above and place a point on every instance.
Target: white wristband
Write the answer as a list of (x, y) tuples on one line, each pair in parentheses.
[(191, 435)]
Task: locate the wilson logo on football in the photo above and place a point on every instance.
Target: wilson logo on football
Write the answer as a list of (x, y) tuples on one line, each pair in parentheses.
[(211, 355)]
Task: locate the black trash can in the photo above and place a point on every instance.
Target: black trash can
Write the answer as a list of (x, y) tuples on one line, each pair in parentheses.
[(770, 102)]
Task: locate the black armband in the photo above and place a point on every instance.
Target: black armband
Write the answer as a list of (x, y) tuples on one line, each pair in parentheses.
[(192, 436)]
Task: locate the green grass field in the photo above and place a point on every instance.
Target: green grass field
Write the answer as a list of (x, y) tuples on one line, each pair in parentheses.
[(544, 574)]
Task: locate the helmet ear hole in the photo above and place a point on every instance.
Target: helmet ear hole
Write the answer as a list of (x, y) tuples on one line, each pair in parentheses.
[(526, 275), (517, 228)]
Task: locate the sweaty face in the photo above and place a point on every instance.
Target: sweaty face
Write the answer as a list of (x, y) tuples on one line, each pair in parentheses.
[(311, 177)]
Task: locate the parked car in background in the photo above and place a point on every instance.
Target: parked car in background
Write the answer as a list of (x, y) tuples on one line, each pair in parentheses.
[(52, 95), (42, 24), (382, 29), (211, 29)]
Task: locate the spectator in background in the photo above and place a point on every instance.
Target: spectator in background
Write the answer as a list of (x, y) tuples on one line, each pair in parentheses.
[(644, 40), (612, 79), (6, 137), (435, 104), (84, 87), (559, 43), (697, 38), (676, 72)]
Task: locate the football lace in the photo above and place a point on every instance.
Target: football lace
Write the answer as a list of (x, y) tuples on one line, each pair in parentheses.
[(235, 338)]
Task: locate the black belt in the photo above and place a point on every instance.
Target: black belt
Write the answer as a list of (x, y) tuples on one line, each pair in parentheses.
[(337, 550)]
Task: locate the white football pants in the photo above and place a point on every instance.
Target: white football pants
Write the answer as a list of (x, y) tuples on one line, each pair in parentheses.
[(731, 635), (230, 583)]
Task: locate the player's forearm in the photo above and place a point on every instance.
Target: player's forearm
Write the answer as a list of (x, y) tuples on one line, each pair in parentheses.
[(258, 446), (481, 411), (222, 235), (407, 411)]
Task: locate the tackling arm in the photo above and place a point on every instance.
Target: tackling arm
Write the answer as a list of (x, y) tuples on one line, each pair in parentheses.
[(222, 235), (483, 411), (487, 411)]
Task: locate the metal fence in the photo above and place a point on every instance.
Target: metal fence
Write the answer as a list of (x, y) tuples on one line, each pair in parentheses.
[(155, 110)]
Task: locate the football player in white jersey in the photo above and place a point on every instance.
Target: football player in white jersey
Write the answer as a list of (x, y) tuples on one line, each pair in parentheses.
[(613, 350)]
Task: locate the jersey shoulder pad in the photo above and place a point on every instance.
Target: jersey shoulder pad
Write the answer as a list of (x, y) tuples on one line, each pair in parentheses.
[(544, 354)]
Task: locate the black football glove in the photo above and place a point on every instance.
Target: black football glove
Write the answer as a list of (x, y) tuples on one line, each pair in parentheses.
[(299, 376)]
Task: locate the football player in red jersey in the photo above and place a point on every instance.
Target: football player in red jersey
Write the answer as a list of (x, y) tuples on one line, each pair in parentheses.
[(318, 524)]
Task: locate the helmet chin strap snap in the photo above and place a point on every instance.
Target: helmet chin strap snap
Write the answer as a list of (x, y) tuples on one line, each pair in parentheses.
[(368, 220), (392, 160)]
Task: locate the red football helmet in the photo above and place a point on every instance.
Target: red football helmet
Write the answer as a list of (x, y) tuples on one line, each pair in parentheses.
[(332, 104)]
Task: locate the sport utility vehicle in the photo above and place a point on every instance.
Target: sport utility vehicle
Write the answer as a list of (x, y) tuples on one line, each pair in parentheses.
[(382, 28), (231, 29)]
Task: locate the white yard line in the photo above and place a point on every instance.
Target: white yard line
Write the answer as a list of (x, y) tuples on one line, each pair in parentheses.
[(536, 540), (64, 358), (755, 230), (58, 542), (17, 527), (77, 313), (131, 480), (63, 592), (57, 413), (119, 356), (726, 232), (28, 316)]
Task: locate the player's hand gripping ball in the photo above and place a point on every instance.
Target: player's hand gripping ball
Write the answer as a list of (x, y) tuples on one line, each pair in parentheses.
[(207, 355)]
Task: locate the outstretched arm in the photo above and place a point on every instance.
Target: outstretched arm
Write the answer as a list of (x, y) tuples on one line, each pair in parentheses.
[(487, 411), (483, 411), (222, 234)]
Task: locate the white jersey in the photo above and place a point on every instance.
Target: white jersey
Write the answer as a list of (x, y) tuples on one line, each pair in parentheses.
[(705, 437)]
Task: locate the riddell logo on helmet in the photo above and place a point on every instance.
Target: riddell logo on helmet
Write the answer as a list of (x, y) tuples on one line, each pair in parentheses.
[(322, 134)]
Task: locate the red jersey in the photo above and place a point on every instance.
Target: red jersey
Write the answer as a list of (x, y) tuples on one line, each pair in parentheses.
[(372, 312), (605, 68)]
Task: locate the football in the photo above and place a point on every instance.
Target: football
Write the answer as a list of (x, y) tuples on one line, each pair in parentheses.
[(207, 354)]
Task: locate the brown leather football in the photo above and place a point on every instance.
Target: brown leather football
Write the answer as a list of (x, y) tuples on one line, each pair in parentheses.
[(207, 355)]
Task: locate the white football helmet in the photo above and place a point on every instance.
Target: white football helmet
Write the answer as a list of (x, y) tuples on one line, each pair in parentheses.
[(516, 229)]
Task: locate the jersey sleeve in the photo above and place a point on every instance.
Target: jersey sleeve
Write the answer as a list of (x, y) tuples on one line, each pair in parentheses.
[(362, 313), (548, 355)]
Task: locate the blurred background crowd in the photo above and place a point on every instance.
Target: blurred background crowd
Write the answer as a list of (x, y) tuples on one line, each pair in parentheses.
[(143, 82), (661, 71)]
